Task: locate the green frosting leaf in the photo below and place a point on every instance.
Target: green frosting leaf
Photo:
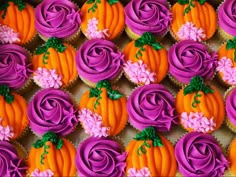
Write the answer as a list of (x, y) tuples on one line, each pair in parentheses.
[(4, 5), (6, 93), (191, 5), (112, 1), (231, 44), (182, 2), (94, 6), (114, 95), (90, 1)]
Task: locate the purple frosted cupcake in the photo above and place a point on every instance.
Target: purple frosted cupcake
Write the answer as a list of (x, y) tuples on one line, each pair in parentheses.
[(188, 58), (57, 18), (15, 67), (199, 154), (230, 107), (97, 60), (52, 110), (152, 105), (100, 157), (147, 16)]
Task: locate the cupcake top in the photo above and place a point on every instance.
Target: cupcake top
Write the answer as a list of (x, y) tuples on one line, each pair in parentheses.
[(199, 154), (52, 110), (100, 157), (227, 16), (15, 67), (152, 105), (188, 58), (99, 59), (232, 156), (230, 106), (148, 16), (57, 18), (10, 163)]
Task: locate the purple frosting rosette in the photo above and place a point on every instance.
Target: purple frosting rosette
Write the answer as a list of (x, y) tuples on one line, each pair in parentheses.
[(230, 106)]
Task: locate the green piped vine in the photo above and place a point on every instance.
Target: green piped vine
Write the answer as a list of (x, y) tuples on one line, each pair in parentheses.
[(231, 44), (190, 4), (95, 2), (146, 39), (4, 5), (196, 85), (148, 133), (48, 136), (52, 42), (6, 93), (96, 92)]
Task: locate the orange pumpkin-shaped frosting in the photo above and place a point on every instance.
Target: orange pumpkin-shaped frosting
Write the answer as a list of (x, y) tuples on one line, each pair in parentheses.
[(201, 15), (156, 60), (54, 154), (208, 101), (232, 156), (160, 160), (110, 19), (112, 109), (63, 62), (13, 114), (21, 21)]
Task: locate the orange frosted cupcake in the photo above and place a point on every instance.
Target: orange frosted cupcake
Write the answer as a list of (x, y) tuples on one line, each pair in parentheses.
[(146, 60), (13, 114), (52, 156), (102, 19), (232, 157), (103, 110), (200, 107), (195, 20), (18, 17), (54, 64), (150, 155)]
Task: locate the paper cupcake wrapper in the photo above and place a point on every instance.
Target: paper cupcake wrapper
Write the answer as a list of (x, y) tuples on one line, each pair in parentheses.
[(21, 151)]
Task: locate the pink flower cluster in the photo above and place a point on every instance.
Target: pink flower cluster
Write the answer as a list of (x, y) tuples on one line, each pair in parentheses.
[(92, 123), (47, 78), (46, 173), (139, 73), (189, 31), (92, 30), (225, 66), (143, 172), (197, 122), (5, 132), (7, 35)]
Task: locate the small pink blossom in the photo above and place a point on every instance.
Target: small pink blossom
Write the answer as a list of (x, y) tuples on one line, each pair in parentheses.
[(92, 123), (6, 133), (7, 35), (143, 172), (92, 30), (46, 173), (224, 64)]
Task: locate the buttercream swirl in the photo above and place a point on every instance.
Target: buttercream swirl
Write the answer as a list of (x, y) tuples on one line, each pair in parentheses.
[(10, 164), (148, 16), (231, 106), (99, 59), (52, 110), (15, 68), (188, 58), (199, 154), (57, 18), (227, 16), (101, 157), (152, 105)]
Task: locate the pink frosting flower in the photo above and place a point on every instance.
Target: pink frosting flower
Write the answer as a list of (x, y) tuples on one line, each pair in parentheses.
[(5, 132), (7, 35), (92, 30), (46, 173), (92, 123), (143, 172)]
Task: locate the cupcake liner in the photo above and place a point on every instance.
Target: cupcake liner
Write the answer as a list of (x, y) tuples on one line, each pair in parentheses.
[(21, 151)]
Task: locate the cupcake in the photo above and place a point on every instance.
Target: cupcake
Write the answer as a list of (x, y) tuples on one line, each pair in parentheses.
[(227, 63), (103, 110), (150, 155), (232, 157), (194, 20), (54, 65), (13, 117), (200, 107), (152, 105), (187, 59), (17, 19), (103, 19), (15, 66), (57, 18), (230, 108), (227, 19), (97, 60), (52, 156), (52, 110), (199, 154), (100, 157), (11, 163), (146, 60)]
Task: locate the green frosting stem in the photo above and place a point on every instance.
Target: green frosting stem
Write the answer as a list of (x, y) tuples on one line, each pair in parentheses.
[(4, 5), (190, 4), (95, 2), (6, 93), (231, 44)]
